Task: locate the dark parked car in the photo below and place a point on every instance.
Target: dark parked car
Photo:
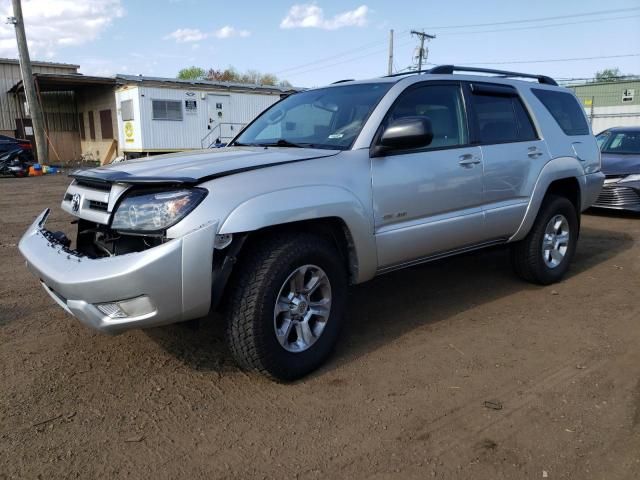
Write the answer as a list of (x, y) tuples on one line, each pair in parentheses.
[(620, 148), (16, 156), (8, 144)]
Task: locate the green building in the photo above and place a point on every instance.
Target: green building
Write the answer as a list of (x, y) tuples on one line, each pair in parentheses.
[(610, 104)]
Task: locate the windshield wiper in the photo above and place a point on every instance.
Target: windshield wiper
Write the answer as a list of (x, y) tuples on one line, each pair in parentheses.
[(280, 143)]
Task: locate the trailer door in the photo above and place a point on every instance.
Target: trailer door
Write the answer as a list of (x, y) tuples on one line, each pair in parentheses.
[(219, 118)]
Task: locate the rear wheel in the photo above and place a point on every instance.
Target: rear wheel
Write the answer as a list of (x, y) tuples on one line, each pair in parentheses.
[(544, 255), (287, 300)]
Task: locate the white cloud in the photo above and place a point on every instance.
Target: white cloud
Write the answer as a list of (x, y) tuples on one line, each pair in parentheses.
[(183, 35), (53, 24), (228, 31), (310, 15)]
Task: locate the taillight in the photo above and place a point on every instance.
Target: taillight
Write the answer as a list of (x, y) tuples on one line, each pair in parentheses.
[(25, 146)]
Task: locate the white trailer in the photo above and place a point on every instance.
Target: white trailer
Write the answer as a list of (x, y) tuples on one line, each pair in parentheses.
[(166, 115)]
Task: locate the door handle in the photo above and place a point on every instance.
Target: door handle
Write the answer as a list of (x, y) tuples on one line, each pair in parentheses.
[(534, 152), (468, 160)]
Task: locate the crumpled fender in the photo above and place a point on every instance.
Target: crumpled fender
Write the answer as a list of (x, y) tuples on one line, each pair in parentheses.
[(310, 202)]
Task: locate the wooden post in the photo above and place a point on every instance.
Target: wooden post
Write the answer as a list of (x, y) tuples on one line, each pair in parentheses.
[(27, 82)]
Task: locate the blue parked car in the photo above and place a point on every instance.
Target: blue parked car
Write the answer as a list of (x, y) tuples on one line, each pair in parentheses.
[(620, 149)]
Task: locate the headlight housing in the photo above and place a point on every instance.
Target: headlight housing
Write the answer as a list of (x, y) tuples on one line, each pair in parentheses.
[(154, 212), (631, 178)]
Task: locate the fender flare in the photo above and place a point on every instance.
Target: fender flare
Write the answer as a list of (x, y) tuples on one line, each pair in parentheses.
[(311, 202), (556, 169)]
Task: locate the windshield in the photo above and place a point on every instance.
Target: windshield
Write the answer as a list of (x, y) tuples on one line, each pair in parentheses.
[(323, 118), (620, 142)]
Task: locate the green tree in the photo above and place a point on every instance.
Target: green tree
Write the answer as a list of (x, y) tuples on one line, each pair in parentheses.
[(192, 73), (608, 74), (254, 77)]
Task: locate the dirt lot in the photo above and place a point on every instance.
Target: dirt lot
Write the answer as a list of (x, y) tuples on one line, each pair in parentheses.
[(403, 397)]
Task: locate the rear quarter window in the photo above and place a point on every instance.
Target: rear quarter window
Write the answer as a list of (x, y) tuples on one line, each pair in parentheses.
[(565, 110)]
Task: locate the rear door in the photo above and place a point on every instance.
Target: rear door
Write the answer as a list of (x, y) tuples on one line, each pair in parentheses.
[(513, 154)]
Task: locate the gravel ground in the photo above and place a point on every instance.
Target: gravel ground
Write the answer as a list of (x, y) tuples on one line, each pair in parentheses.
[(454, 369)]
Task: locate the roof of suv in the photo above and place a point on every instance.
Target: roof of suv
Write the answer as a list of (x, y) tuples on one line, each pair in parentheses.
[(448, 71)]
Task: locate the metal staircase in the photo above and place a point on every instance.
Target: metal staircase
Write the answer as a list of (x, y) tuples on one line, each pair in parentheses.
[(212, 138)]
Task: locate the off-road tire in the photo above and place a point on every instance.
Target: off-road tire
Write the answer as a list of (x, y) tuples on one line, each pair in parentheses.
[(254, 286), (526, 254)]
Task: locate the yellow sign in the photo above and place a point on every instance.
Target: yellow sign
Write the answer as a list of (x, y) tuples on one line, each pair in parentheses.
[(588, 102), (128, 132)]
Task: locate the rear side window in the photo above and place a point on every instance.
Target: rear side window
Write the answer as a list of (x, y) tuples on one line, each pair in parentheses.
[(502, 119), (564, 108)]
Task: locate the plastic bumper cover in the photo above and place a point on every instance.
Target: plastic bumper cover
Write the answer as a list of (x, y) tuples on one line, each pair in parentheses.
[(174, 278)]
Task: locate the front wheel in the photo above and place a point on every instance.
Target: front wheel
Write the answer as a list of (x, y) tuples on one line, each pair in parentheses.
[(544, 255), (287, 300)]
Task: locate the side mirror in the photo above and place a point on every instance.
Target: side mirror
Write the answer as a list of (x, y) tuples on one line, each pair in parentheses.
[(405, 133)]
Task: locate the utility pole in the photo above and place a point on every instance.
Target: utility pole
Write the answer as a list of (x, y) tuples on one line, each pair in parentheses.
[(390, 69), (27, 82), (423, 36)]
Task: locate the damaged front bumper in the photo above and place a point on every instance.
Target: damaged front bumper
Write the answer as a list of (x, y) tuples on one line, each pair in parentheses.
[(164, 284)]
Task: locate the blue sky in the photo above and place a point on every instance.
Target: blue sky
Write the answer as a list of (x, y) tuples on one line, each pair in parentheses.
[(314, 43)]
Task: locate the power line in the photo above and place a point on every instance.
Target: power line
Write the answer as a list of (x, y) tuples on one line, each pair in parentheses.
[(537, 27), (365, 46), (514, 62), (539, 19), (348, 60)]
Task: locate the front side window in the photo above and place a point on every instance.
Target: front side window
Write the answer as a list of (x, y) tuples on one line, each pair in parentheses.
[(621, 143), (167, 109), (565, 109), (601, 138), (442, 105), (324, 118), (502, 119)]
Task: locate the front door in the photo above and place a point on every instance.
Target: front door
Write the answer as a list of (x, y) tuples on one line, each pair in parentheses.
[(219, 118), (428, 201)]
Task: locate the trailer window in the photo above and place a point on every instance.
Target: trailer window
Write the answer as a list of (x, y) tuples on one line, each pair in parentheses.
[(167, 109), (126, 110)]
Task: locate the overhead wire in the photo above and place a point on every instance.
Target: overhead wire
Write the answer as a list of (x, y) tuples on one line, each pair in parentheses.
[(538, 19), (301, 69)]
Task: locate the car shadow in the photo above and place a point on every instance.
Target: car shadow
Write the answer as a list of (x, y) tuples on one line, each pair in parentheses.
[(606, 212), (391, 305)]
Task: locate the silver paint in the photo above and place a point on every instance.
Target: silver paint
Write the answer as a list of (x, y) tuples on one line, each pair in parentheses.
[(398, 209)]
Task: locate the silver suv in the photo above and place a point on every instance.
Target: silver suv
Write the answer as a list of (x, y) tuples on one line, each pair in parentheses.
[(328, 187)]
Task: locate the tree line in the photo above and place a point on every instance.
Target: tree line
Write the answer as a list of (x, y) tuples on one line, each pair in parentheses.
[(230, 74)]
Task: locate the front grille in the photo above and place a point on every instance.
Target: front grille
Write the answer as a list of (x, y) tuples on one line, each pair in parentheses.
[(614, 196), (102, 186), (96, 205)]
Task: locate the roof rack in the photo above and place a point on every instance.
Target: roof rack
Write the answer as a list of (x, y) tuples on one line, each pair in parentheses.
[(449, 69)]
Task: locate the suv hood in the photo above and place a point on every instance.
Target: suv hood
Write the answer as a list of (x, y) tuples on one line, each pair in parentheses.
[(197, 166), (613, 164)]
